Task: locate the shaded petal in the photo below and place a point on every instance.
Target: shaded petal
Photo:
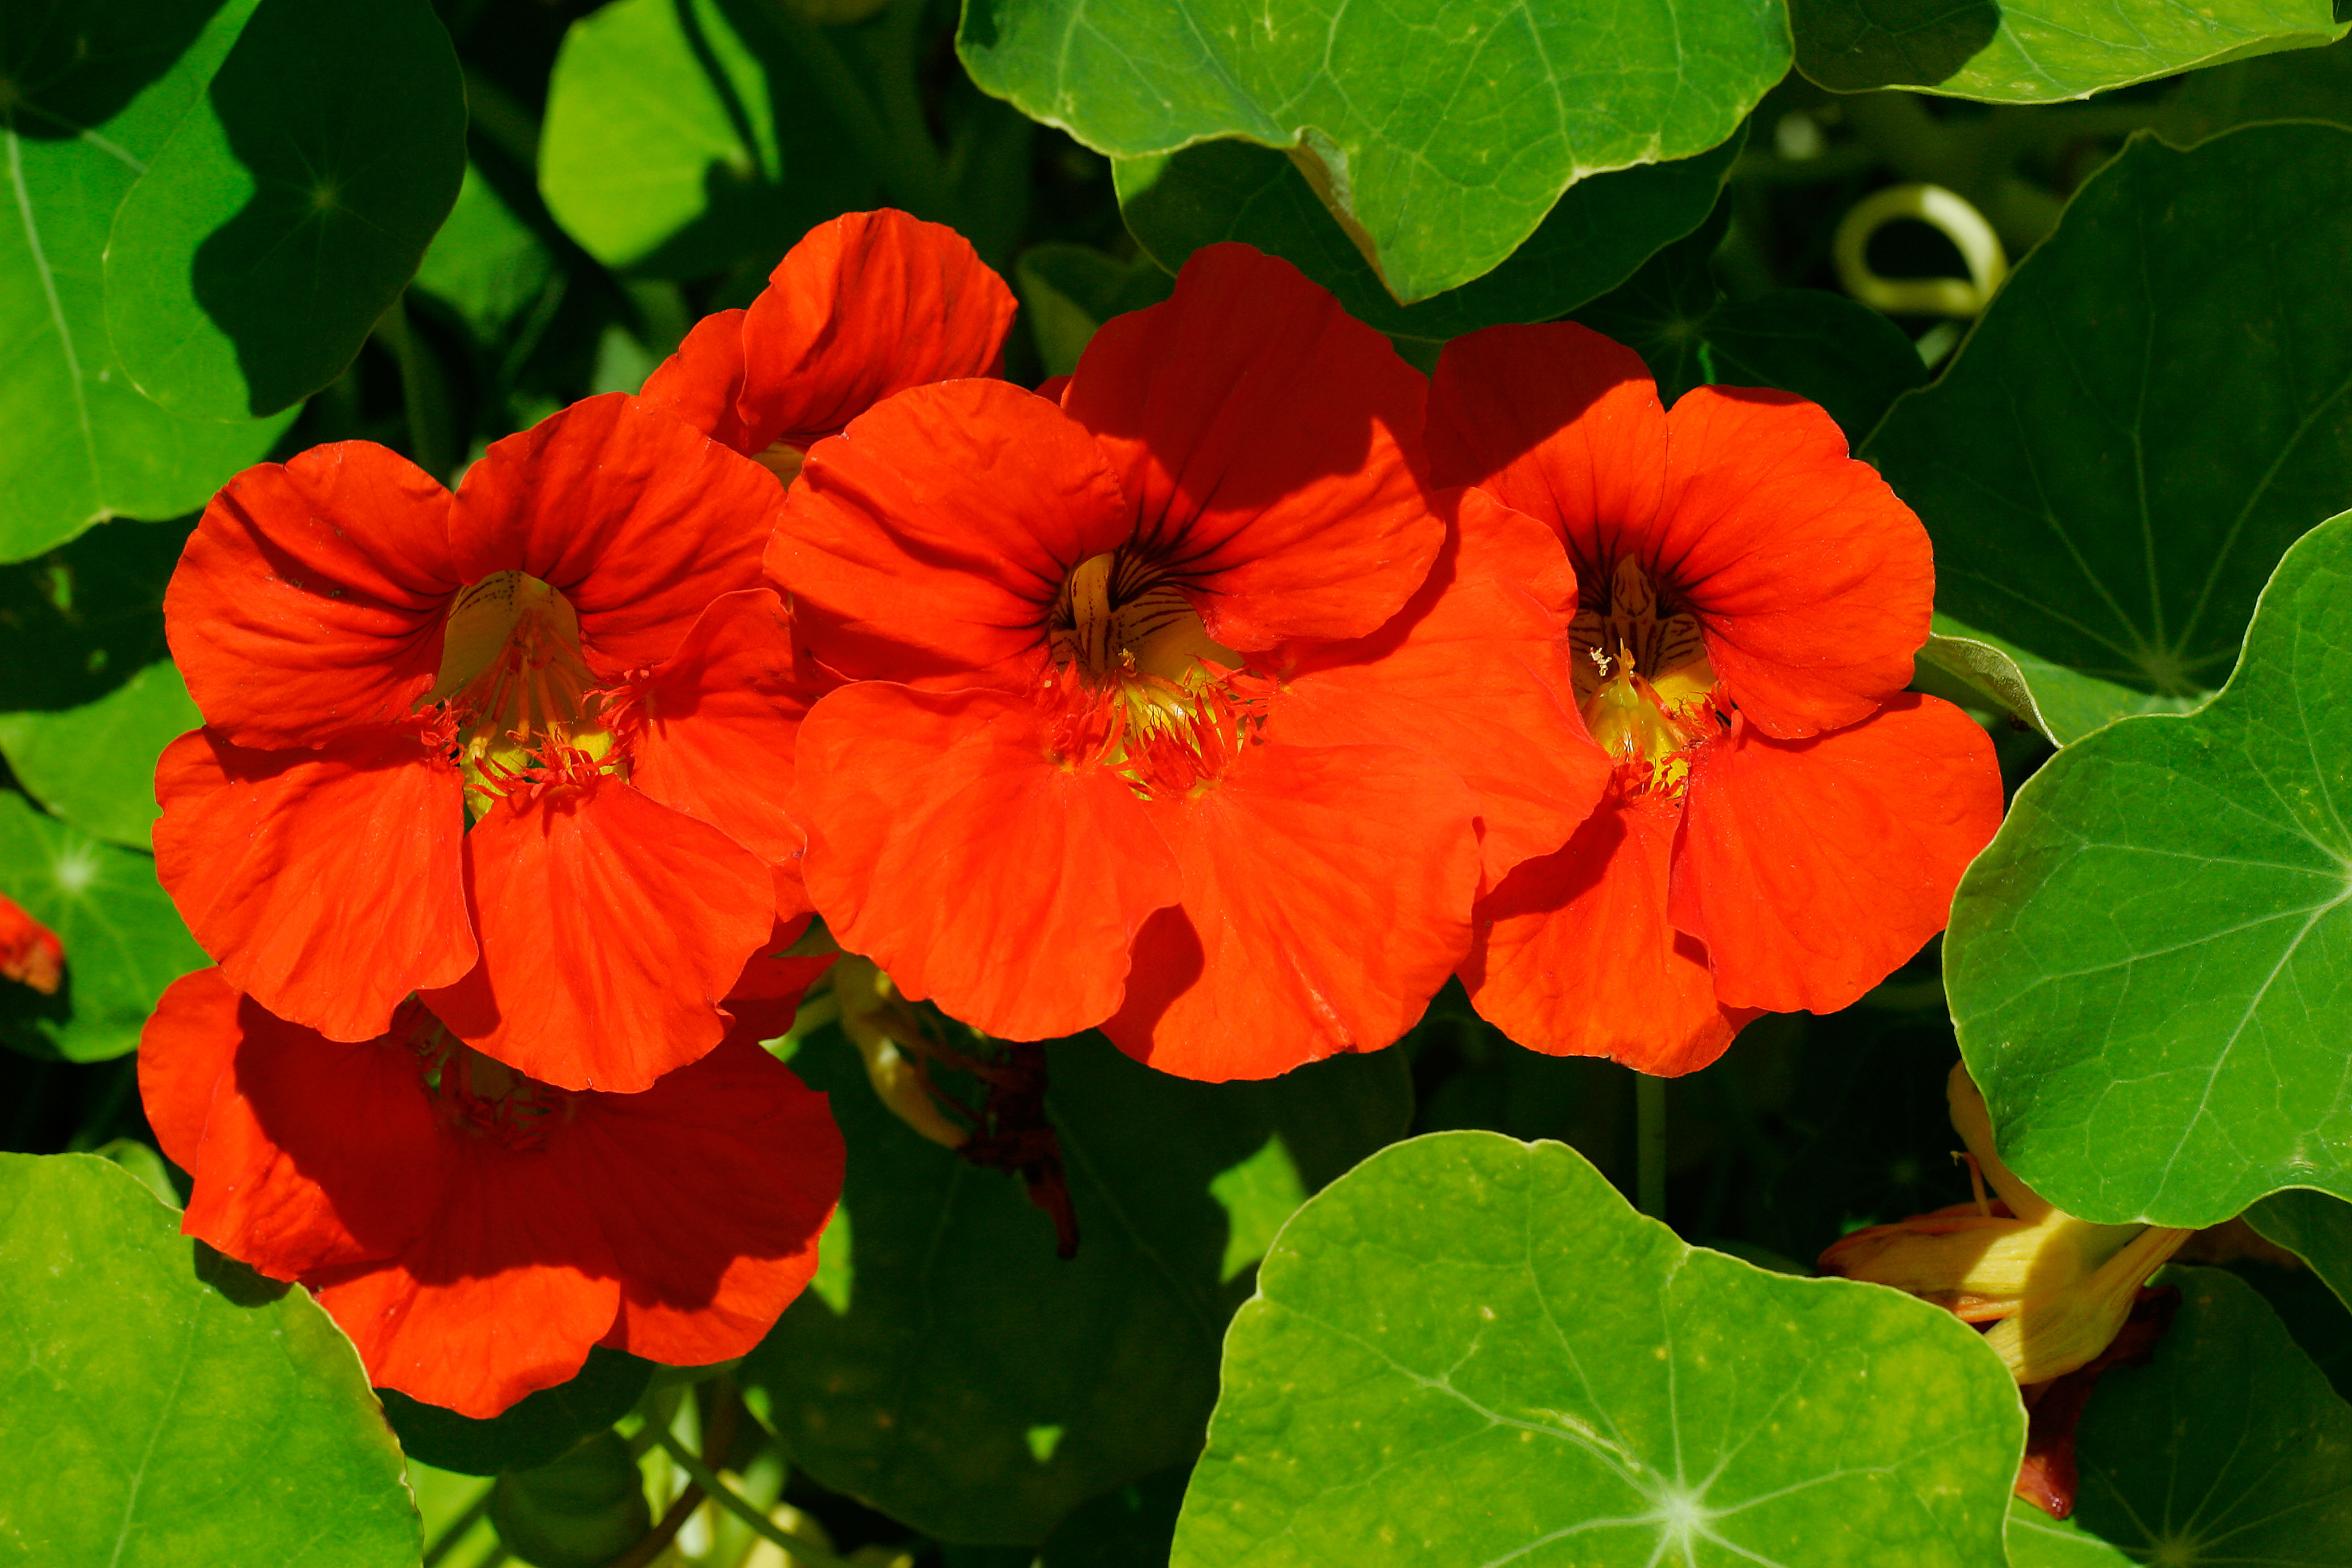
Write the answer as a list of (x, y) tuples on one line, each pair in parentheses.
[(502, 1296), (949, 846), (611, 927), (314, 1153), (1574, 956), (1812, 869), (639, 519), (699, 383), (328, 883), (717, 723), (1561, 424), (1813, 582), (1327, 897), (1271, 445), (711, 1188), (1474, 674), (183, 1049), (869, 304), (931, 538), (309, 600), (767, 995)]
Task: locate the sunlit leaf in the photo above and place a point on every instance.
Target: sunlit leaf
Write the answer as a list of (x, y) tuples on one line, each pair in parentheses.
[(1472, 1350), (95, 88), (163, 1407), (123, 941), (2051, 50), (290, 207), (1441, 132), (1594, 236), (2151, 966), (964, 1379), (2156, 404), (485, 263), (682, 136)]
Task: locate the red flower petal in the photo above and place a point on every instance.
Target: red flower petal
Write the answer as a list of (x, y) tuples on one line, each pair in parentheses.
[(502, 1296), (931, 539), (1814, 583), (309, 601), (1327, 897), (636, 517), (720, 719), (312, 1154), (327, 883), (869, 304), (1575, 958), (1270, 445), (767, 995), (1473, 674), (714, 1184), (1559, 422), (30, 952), (1812, 869), (946, 845), (699, 383), (610, 926)]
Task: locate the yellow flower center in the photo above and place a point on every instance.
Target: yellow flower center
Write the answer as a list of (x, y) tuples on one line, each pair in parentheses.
[(516, 685), (1643, 679), (1143, 687)]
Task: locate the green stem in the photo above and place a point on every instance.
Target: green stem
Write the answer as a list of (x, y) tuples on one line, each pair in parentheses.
[(424, 398), (896, 145), (1650, 1145), (448, 1539), (802, 1550)]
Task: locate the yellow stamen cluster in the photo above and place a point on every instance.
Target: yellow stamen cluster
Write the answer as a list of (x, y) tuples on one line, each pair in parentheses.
[(516, 684), (1643, 679)]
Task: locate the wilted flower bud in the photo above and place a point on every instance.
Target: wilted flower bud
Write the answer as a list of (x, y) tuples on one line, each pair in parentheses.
[(2055, 1288)]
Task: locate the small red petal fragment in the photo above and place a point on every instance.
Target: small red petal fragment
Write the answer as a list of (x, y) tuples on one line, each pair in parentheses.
[(29, 951)]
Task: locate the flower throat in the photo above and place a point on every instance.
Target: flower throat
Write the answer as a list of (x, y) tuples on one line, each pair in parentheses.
[(1137, 684), (1642, 681), (516, 690)]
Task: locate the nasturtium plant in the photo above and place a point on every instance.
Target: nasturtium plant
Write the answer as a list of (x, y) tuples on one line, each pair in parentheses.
[(910, 1380), (289, 208), (124, 941), (166, 1407), (1471, 1348), (2087, 507), (93, 90), (1401, 117), (2149, 968), (1594, 236), (2315, 1228)]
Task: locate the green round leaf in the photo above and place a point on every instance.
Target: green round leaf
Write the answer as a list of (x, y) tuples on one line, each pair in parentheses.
[(485, 263), (1599, 231), (2156, 404), (948, 1369), (1472, 1350), (289, 208), (1440, 131), (2058, 49), (2313, 1227), (2229, 1449), (538, 1429), (683, 136), (92, 698), (123, 941), (2150, 967), (93, 90), (1131, 1526), (166, 1408), (580, 1511)]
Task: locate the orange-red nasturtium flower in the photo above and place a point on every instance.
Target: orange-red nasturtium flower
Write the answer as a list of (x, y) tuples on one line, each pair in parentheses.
[(29, 951), (866, 305), (1181, 706), (1784, 823), (503, 749), (475, 1231)]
